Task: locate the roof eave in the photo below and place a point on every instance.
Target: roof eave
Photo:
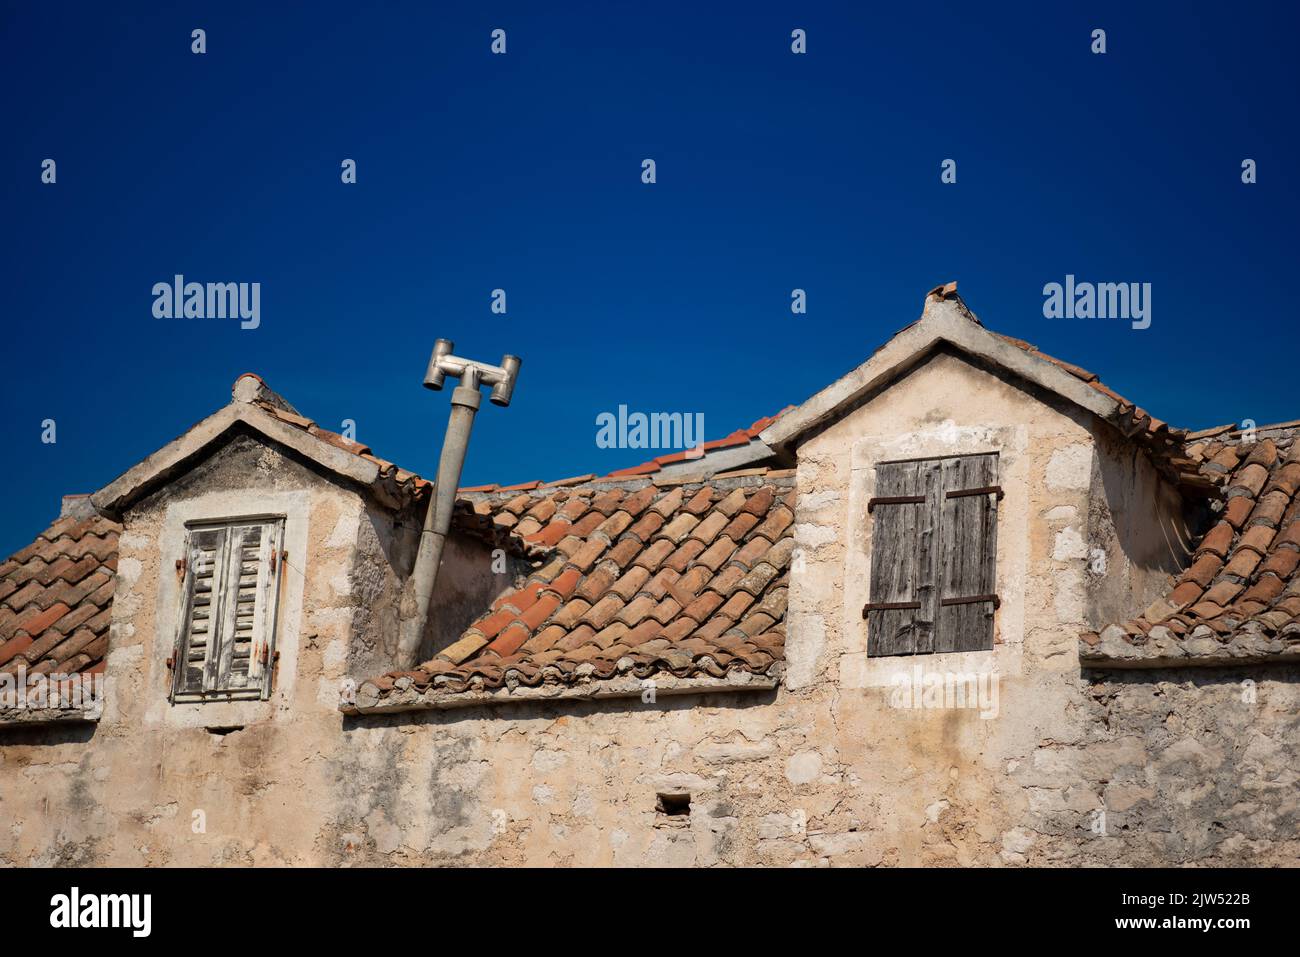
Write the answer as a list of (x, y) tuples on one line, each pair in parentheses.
[(370, 701), (1111, 650)]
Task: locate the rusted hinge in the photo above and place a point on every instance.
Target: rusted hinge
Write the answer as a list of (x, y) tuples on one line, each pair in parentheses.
[(894, 500), (171, 663), (276, 557), (986, 490), (181, 565), (972, 599), (889, 606)]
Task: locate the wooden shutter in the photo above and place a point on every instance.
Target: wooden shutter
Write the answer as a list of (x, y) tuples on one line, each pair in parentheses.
[(225, 648), (894, 609), (970, 528), (203, 550), (931, 551)]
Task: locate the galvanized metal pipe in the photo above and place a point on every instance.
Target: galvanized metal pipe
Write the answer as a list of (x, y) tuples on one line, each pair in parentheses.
[(465, 402)]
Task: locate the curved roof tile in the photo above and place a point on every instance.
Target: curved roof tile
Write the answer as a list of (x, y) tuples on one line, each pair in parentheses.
[(1242, 578), (690, 580), (55, 599)]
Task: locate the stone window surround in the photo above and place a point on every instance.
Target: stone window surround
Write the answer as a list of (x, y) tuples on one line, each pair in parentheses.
[(945, 440), (225, 506)]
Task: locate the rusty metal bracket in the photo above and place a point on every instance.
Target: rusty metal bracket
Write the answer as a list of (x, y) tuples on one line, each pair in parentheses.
[(181, 565), (972, 599), (889, 606), (986, 490), (894, 500)]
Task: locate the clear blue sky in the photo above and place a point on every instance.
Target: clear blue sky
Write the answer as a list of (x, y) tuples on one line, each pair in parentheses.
[(522, 171)]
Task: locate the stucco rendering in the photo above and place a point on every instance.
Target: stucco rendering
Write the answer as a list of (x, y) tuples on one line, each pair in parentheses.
[(674, 664)]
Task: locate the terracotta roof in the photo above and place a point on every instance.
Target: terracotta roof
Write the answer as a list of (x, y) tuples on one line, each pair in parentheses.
[(736, 439), (1243, 578), (401, 478), (634, 578), (1163, 442), (411, 482), (474, 519), (630, 576), (55, 599)]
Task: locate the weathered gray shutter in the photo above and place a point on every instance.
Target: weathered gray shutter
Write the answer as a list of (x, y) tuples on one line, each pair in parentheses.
[(970, 528), (932, 551), (228, 629), (896, 512)]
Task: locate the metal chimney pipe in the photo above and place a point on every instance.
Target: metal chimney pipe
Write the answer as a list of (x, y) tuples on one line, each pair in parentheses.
[(465, 401)]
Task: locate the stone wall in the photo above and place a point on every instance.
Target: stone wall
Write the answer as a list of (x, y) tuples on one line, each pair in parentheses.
[(1192, 765), (834, 767), (772, 782)]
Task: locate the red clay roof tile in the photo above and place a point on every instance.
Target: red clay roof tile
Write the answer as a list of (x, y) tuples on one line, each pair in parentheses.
[(646, 601), (57, 622), (1245, 573)]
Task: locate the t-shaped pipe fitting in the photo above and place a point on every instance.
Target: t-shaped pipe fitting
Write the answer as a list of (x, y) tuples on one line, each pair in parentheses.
[(473, 374), (465, 399)]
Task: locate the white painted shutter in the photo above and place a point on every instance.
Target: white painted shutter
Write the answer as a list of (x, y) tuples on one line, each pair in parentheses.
[(203, 550), (226, 646)]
